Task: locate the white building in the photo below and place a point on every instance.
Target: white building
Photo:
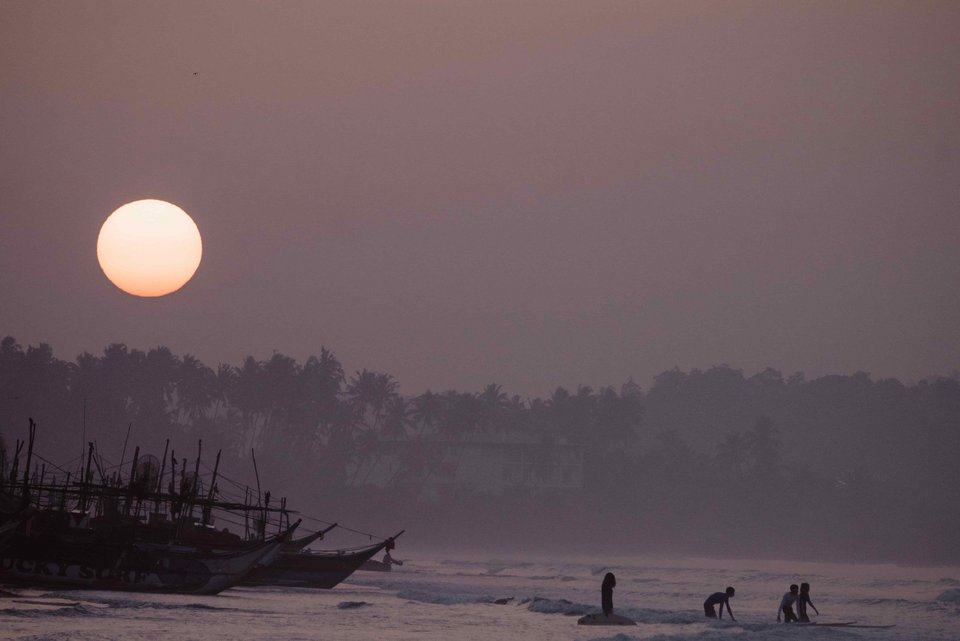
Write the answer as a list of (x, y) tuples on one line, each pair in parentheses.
[(485, 463)]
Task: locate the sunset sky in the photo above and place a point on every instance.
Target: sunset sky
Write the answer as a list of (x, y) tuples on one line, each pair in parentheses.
[(528, 193)]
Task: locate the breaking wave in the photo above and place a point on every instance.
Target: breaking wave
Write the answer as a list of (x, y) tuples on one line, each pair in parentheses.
[(70, 610), (950, 596), (556, 606), (425, 596)]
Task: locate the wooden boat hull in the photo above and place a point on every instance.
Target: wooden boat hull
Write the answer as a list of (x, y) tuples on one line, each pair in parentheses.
[(7, 531), (320, 570), (138, 567)]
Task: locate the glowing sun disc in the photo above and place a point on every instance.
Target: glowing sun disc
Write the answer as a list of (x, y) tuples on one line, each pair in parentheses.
[(149, 248)]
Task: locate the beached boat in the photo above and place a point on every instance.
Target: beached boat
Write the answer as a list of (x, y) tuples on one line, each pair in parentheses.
[(101, 564), (295, 545), (7, 530), (309, 569), (119, 533)]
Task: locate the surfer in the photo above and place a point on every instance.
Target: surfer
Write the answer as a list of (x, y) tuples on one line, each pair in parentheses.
[(606, 593), (607, 617), (803, 601), (786, 605), (723, 598)]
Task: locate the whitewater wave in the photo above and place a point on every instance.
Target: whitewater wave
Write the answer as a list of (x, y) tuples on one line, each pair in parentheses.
[(52, 636), (879, 601), (566, 607), (950, 596), (736, 631), (556, 606), (500, 573), (95, 602), (146, 605), (70, 610), (488, 563), (438, 598), (616, 637)]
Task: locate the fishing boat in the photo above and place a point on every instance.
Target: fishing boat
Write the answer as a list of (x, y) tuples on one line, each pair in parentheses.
[(134, 565), (315, 569), (295, 545), (7, 530), (126, 532)]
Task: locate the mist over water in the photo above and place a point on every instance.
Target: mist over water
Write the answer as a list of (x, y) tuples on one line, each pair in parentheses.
[(714, 462)]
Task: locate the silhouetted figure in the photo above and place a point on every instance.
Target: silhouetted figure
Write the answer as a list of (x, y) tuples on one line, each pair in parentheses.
[(721, 598), (606, 593), (389, 560), (803, 601), (786, 605)]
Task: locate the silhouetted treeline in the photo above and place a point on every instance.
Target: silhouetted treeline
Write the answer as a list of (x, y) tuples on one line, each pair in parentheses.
[(709, 462)]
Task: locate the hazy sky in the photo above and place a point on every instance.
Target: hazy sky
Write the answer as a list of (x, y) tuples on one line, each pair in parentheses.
[(529, 193)]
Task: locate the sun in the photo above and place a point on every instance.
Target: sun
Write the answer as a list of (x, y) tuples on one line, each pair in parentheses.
[(149, 248)]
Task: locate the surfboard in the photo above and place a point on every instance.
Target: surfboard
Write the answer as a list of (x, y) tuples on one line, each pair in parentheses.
[(600, 619)]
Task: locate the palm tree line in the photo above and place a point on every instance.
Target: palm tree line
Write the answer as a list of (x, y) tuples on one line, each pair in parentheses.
[(842, 457), (295, 412)]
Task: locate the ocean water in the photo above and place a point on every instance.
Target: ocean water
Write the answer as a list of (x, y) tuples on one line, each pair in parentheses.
[(485, 598)]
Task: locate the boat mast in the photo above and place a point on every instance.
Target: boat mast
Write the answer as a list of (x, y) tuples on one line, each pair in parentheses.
[(133, 479), (159, 489), (26, 471), (213, 485), (86, 478), (262, 524)]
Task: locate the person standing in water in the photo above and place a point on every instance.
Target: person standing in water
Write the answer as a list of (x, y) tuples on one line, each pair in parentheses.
[(803, 601), (606, 593), (721, 598), (786, 605)]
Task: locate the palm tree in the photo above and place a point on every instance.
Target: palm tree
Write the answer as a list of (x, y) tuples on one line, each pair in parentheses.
[(419, 459), (617, 417), (195, 389), (323, 376), (338, 445), (426, 413), (154, 384), (493, 405), (249, 399), (763, 442), (733, 452), (222, 387), (369, 393), (33, 383), (397, 417), (284, 404), (461, 414)]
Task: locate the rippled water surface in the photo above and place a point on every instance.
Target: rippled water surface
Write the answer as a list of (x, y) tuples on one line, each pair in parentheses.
[(443, 597)]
